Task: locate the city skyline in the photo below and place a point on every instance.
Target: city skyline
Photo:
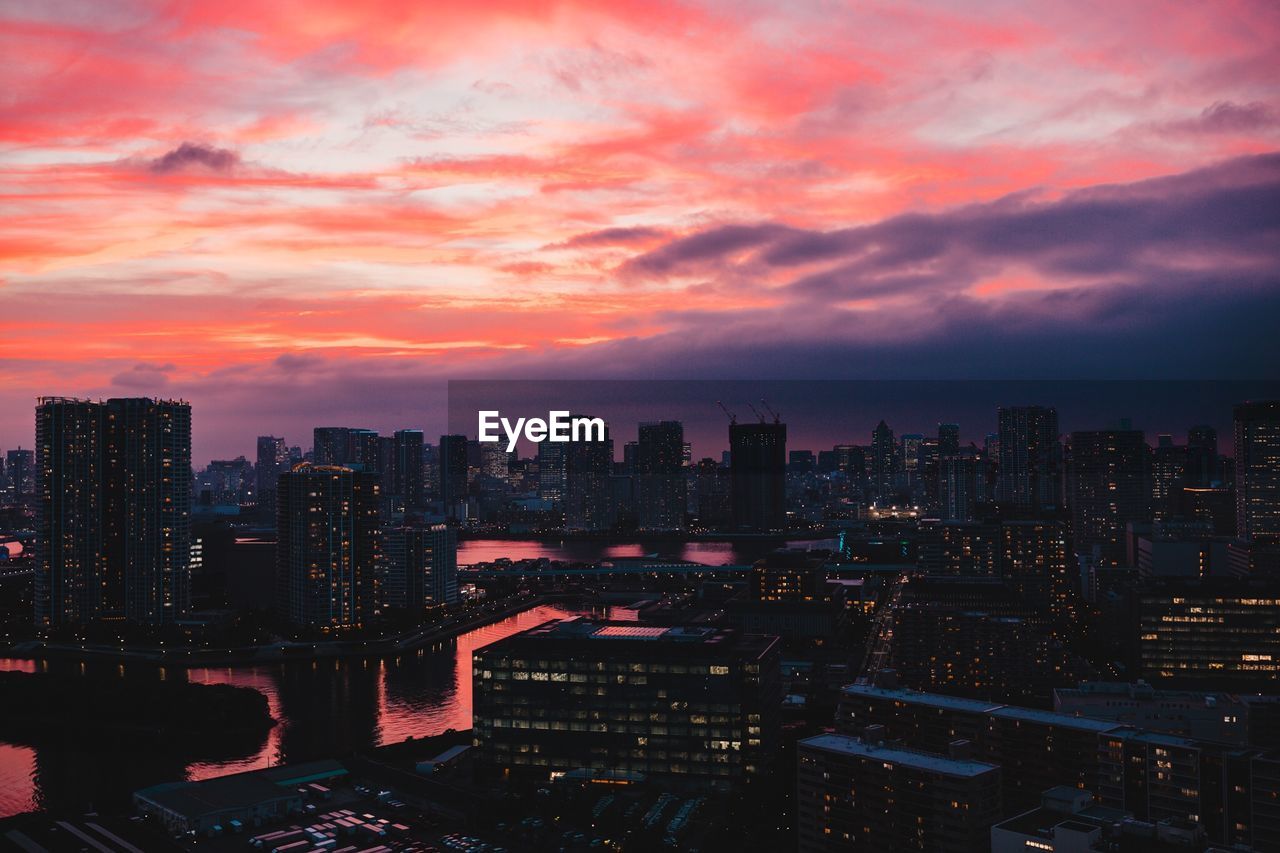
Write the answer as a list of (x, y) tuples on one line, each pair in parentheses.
[(617, 190)]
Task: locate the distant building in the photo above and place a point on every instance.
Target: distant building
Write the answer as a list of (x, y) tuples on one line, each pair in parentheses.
[(331, 445), (588, 467), (659, 477), (551, 472), (1257, 428), (328, 550), (20, 471), (114, 518), (272, 461), (859, 794), (454, 474), (407, 465), (1068, 820), (948, 439), (1030, 457), (758, 458), (885, 462), (1110, 488), (689, 702)]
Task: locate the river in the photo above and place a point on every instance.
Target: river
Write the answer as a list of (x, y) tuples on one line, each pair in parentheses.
[(737, 552), (324, 709)]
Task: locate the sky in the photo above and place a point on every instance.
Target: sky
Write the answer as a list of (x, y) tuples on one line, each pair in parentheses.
[(305, 213)]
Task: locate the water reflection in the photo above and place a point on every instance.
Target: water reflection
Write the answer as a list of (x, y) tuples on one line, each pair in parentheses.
[(325, 708), (737, 552)]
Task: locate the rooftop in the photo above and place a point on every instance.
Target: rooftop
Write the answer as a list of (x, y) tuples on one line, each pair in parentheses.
[(936, 700), (578, 630), (848, 745)]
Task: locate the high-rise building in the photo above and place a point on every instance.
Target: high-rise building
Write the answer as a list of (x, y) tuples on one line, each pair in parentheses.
[(115, 512), (331, 445), (1110, 488), (758, 462), (659, 476), (588, 466), (454, 477), (364, 449), (1257, 429), (1203, 469), (962, 486), (273, 460), (551, 472), (855, 794), (20, 469), (328, 550), (948, 439), (693, 702), (68, 578), (421, 566), (884, 461), (406, 466), (910, 455), (1030, 477)]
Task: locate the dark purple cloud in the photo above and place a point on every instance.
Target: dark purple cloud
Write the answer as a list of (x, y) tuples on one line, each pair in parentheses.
[(192, 155), (143, 376), (611, 237)]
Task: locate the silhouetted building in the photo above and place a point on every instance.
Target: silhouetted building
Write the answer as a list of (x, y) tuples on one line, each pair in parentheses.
[(453, 474), (659, 476), (855, 794), (328, 548), (713, 488), (1110, 488), (551, 472), (885, 462), (20, 471), (407, 465), (1257, 427), (693, 702), (948, 439), (1030, 455), (962, 486), (588, 466), (331, 445), (272, 461), (758, 459)]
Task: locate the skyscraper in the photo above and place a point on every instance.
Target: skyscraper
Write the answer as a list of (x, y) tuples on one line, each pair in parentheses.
[(331, 445), (114, 515), (587, 467), (884, 462), (68, 578), (551, 472), (910, 455), (453, 473), (329, 546), (1030, 477), (659, 476), (948, 439), (1110, 487), (20, 469), (1257, 429), (962, 485), (273, 460), (758, 462), (406, 467)]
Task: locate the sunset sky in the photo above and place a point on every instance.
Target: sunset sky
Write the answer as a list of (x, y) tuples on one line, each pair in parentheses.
[(302, 213)]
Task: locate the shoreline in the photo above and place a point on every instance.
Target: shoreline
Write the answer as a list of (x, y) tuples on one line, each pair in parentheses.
[(272, 653)]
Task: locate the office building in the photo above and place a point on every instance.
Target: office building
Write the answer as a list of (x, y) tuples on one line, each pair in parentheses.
[(1030, 455), (886, 462), (588, 467), (1257, 428), (962, 486), (551, 472), (856, 794), (758, 458), (331, 445), (1217, 631), (1110, 488), (1220, 717), (19, 469), (328, 552), (691, 702)]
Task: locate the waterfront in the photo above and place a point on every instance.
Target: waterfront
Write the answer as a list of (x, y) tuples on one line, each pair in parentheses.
[(713, 553), (324, 708)]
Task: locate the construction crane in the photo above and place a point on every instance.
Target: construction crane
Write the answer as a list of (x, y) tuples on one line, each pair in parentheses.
[(733, 419), (777, 418), (755, 412)]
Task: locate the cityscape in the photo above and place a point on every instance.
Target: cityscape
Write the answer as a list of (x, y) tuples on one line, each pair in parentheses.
[(552, 426), (1066, 633)]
